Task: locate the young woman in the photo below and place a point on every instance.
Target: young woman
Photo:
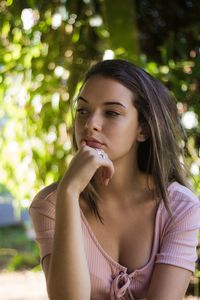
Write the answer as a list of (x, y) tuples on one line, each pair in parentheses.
[(121, 223)]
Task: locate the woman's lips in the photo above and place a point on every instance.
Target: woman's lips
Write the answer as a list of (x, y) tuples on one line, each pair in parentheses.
[(94, 144)]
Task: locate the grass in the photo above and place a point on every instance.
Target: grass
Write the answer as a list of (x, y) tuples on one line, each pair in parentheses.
[(17, 251)]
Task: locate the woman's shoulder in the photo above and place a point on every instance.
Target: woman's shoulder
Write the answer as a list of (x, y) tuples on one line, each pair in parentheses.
[(45, 197), (42, 213), (182, 200), (184, 207), (179, 192)]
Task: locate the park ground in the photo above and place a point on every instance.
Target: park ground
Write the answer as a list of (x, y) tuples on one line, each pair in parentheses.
[(23, 285)]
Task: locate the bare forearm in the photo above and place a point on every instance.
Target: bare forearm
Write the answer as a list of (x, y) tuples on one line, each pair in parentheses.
[(68, 276)]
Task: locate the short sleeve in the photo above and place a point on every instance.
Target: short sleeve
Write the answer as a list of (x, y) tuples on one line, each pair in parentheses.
[(42, 213), (178, 245)]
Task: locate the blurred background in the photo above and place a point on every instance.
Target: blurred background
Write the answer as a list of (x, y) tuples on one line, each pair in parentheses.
[(45, 49)]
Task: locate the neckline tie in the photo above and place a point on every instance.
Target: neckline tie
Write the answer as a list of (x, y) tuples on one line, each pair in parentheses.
[(120, 287)]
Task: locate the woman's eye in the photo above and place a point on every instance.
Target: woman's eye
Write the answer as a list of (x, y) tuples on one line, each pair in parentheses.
[(111, 113), (81, 111)]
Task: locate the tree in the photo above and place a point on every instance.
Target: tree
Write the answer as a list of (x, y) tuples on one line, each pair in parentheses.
[(46, 47)]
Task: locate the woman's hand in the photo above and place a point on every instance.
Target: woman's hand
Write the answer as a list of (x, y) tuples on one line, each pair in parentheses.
[(83, 167)]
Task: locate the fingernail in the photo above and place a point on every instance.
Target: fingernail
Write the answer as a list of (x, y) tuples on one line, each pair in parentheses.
[(107, 181)]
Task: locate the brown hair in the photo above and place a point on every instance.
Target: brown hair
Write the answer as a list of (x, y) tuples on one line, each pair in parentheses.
[(160, 154)]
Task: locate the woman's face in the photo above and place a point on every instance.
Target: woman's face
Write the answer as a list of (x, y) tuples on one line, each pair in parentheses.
[(106, 117)]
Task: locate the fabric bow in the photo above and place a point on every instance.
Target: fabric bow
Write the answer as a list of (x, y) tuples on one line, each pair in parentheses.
[(120, 287)]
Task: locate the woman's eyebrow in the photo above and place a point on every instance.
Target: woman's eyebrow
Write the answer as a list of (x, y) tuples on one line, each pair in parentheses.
[(105, 103), (81, 98)]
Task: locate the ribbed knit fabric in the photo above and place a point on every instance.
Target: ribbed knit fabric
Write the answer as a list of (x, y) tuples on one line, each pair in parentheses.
[(175, 241)]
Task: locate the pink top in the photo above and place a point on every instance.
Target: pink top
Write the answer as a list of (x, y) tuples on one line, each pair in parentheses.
[(175, 241)]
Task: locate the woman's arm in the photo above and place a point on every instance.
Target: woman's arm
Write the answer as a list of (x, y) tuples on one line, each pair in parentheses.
[(66, 269), (168, 282), (68, 274)]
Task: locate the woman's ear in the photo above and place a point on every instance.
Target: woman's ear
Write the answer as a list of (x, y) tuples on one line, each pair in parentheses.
[(143, 133)]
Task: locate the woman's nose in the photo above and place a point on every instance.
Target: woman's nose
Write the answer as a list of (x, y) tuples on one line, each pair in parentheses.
[(93, 123)]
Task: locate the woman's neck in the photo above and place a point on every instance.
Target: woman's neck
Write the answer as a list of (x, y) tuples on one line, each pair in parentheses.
[(127, 181)]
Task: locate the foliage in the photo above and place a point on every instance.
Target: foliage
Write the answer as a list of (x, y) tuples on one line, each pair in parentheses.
[(46, 47), (17, 252)]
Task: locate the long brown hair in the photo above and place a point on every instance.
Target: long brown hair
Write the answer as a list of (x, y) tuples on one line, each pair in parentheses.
[(161, 153)]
